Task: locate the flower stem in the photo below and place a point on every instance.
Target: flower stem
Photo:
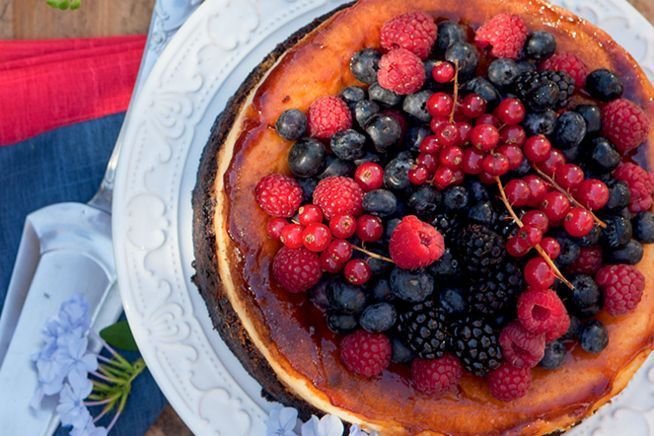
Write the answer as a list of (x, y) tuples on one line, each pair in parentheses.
[(572, 200), (113, 362), (455, 91), (538, 247), (113, 372), (372, 254), (101, 402), (105, 378)]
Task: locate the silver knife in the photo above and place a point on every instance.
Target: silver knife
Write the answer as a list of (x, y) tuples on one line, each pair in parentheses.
[(66, 248)]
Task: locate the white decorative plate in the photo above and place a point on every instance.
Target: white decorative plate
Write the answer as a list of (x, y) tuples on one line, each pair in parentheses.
[(196, 74)]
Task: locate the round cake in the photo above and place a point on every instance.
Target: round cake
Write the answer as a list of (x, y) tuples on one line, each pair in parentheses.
[(430, 216)]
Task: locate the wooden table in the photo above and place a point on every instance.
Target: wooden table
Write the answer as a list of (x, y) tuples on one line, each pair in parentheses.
[(32, 19)]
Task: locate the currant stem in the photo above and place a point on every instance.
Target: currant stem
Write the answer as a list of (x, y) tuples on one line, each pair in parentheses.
[(455, 96), (538, 248), (572, 200)]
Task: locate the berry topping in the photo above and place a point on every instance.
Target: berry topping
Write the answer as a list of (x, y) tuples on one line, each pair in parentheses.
[(423, 328), (508, 383), (568, 63), (624, 124), (623, 287), (415, 244), (640, 183), (278, 195), (475, 343), (521, 348), (541, 311), (296, 270), (366, 354), (414, 31), (588, 261), (401, 71), (291, 124), (338, 196), (316, 237), (505, 33), (436, 377), (328, 115)]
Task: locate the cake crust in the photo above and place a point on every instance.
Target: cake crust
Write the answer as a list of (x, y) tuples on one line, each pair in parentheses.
[(212, 225)]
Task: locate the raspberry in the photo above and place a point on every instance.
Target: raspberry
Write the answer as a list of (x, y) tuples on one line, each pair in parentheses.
[(505, 33), (570, 64), (588, 261), (415, 32), (624, 124), (366, 354), (641, 185), (623, 287), (401, 72), (541, 311), (328, 115), (278, 195), (508, 383), (296, 269), (415, 244), (436, 377), (521, 348), (338, 196)]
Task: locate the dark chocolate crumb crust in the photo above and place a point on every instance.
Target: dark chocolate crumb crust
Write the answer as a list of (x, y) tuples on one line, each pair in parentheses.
[(206, 277)]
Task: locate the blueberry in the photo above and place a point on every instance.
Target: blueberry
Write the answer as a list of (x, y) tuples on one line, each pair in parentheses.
[(540, 123), (341, 323), (381, 290), (378, 266), (572, 154), (364, 65), (593, 336), (416, 105), (352, 95), (617, 233), (453, 301), (525, 66), (591, 238), (346, 298), (540, 45), (603, 155), (369, 156), (390, 227), (554, 355), (400, 353), (592, 115), (604, 85), (631, 254), (378, 317), (619, 194), (291, 124), (482, 213), (569, 250), (585, 299), (396, 172), (348, 144), (484, 88), (455, 198), (643, 225), (477, 190), (383, 95), (414, 137), (543, 97), (449, 33), (308, 186), (306, 158), (570, 130), (380, 202), (384, 130), (466, 55), (364, 110), (429, 79), (447, 266), (411, 286), (425, 201), (573, 330), (626, 214), (319, 294), (337, 167), (502, 72)]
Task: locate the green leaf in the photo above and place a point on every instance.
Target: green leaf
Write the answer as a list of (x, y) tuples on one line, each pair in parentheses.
[(120, 336), (64, 4)]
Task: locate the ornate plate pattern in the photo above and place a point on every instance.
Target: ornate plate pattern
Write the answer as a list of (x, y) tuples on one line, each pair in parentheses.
[(196, 74)]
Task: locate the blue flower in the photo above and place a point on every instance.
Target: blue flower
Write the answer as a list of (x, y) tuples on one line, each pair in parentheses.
[(355, 430), (88, 429), (328, 425), (71, 408), (74, 314), (281, 421), (72, 353)]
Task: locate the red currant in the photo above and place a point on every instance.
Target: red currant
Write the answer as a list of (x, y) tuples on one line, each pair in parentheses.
[(517, 192), (510, 111), (537, 148), (447, 134), (439, 104), (458, 176), (471, 161), (513, 135), (513, 153), (551, 246), (495, 164), (578, 222), (443, 177), (484, 137), (451, 156), (538, 273), (428, 161), (488, 119), (555, 205), (328, 264), (343, 226), (569, 176), (593, 193), (517, 247), (443, 72), (531, 234), (316, 237), (274, 227), (473, 106), (418, 175), (430, 145), (357, 272), (464, 131), (369, 228), (537, 187), (369, 176), (309, 213), (291, 236), (553, 161), (437, 121), (536, 219), (486, 179), (339, 250)]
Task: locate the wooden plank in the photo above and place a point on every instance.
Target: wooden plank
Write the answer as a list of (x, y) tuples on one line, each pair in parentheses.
[(6, 19)]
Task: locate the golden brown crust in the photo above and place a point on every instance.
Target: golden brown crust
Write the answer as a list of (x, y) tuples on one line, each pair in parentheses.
[(295, 355)]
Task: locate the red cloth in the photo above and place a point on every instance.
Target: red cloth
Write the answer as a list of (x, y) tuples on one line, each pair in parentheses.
[(49, 84)]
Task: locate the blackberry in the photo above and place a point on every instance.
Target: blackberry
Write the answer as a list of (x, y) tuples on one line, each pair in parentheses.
[(348, 144), (497, 290), (447, 266), (481, 248), (448, 225), (423, 329), (416, 105), (604, 85), (544, 90), (291, 124), (475, 342), (453, 301), (306, 158), (364, 65)]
